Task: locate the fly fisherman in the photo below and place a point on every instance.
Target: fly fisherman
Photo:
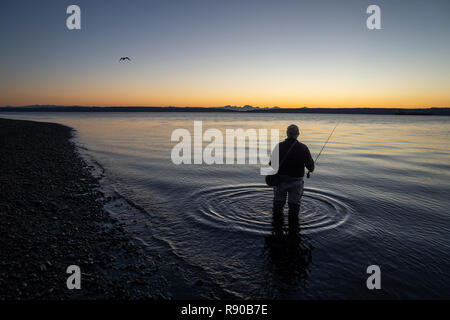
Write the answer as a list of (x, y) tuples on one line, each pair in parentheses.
[(294, 157)]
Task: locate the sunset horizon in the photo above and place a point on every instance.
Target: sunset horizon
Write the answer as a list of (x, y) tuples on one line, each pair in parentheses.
[(208, 54), (264, 107)]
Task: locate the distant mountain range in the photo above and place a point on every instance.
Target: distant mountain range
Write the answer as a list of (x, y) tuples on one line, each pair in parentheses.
[(246, 109)]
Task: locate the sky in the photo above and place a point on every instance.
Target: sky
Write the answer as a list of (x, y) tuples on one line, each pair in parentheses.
[(205, 53)]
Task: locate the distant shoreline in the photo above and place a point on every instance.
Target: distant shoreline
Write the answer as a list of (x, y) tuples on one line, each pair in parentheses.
[(386, 111)]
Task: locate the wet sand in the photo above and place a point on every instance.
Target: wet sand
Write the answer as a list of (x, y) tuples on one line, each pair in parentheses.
[(52, 216)]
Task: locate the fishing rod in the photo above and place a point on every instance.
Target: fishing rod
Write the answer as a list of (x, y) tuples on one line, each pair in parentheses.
[(315, 161)]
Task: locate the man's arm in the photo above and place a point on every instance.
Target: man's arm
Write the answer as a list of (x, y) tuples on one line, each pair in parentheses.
[(309, 162)]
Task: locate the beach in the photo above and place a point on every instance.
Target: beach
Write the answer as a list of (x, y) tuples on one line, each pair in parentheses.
[(52, 216)]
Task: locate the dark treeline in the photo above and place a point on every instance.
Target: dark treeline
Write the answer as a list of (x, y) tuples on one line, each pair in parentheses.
[(391, 111)]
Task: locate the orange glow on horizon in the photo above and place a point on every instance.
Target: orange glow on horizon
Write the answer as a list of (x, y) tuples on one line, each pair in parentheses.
[(140, 90)]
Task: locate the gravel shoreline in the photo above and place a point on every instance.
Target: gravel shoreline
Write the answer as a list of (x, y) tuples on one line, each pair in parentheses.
[(52, 216)]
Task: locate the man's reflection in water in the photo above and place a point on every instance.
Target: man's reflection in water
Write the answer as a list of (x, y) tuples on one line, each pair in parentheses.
[(288, 252)]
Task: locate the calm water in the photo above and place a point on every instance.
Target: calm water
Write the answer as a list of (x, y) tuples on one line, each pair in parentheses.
[(380, 195)]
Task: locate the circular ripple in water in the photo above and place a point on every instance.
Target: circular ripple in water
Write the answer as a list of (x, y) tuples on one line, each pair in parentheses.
[(249, 208)]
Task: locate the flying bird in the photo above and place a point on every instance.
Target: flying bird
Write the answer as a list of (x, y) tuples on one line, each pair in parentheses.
[(124, 59)]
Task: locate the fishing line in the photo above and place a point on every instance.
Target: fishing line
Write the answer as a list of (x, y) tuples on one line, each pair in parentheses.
[(323, 147)]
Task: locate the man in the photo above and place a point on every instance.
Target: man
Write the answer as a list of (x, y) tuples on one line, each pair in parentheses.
[(294, 156)]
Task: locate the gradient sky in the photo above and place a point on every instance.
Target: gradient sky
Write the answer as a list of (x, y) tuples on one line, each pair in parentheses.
[(287, 53)]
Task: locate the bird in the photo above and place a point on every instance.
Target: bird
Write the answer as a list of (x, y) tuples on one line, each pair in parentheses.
[(124, 59)]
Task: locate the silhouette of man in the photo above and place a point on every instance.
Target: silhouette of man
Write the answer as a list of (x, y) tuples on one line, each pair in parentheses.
[(294, 157)]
